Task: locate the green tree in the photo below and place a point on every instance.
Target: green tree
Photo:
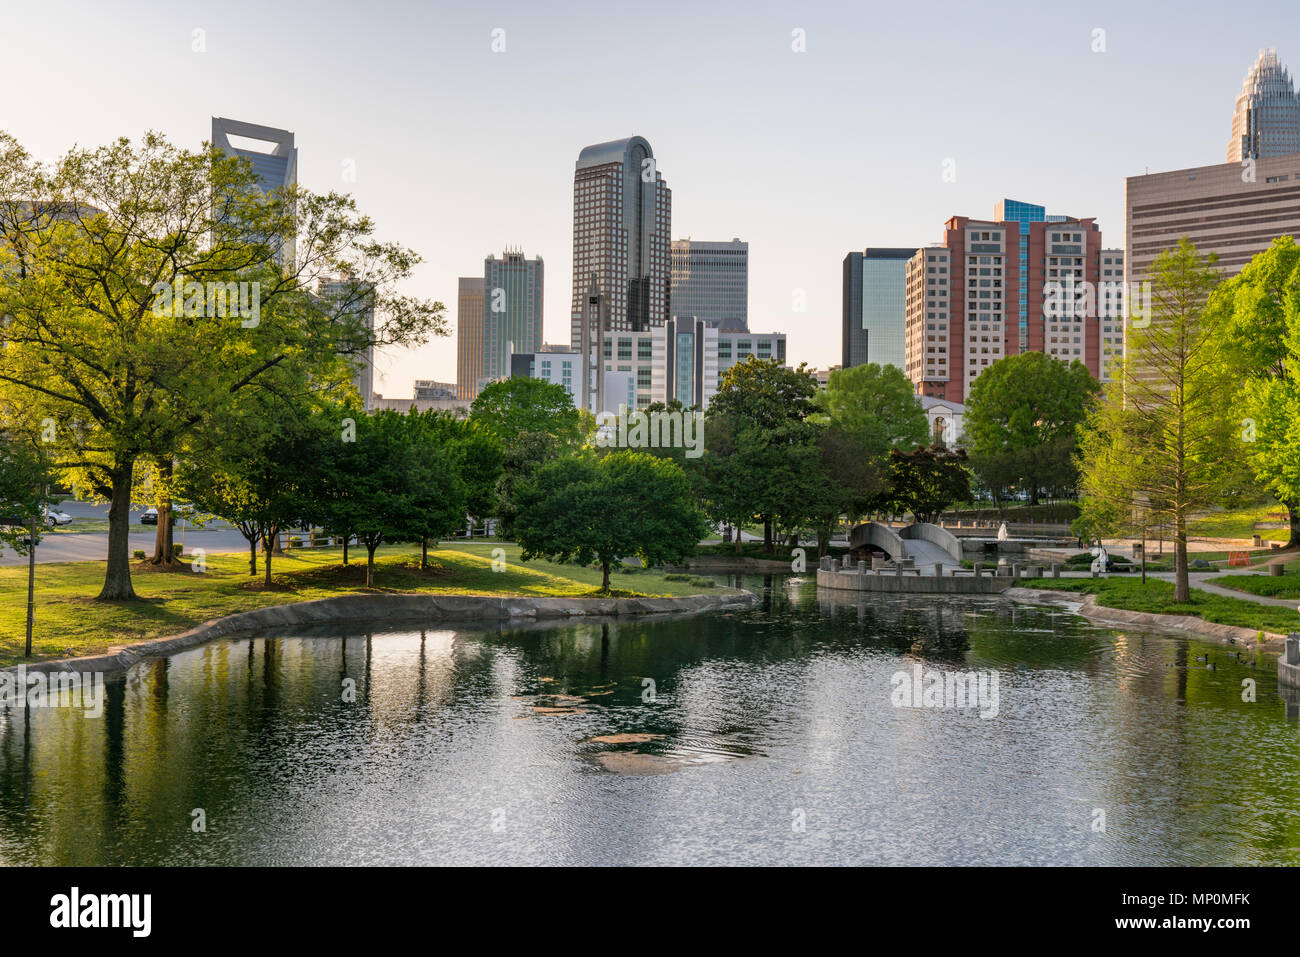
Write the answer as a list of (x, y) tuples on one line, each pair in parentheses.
[(1022, 418), (602, 508), (757, 431), (536, 422), (926, 481), (1163, 440), (24, 490), (876, 406), (1259, 310), (117, 270), (253, 468)]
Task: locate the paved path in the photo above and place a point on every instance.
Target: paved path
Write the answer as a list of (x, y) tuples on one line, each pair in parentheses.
[(927, 555)]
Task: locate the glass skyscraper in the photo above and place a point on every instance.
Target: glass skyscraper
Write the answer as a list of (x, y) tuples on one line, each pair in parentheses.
[(875, 307)]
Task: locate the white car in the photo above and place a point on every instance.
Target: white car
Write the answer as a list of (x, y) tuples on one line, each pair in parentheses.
[(54, 517)]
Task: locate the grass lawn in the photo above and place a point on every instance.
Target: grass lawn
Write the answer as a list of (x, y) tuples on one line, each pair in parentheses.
[(70, 622), (1285, 586), (1158, 597), (1239, 523)]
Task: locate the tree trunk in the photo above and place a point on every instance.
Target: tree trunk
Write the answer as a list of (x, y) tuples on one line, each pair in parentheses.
[(252, 556), (266, 562), (1182, 590), (424, 553), (767, 534), (163, 537), (117, 568), (345, 548), (370, 564), (1293, 520), (604, 574)]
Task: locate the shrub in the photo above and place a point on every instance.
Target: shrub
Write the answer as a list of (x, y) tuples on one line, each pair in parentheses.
[(678, 577), (138, 554)]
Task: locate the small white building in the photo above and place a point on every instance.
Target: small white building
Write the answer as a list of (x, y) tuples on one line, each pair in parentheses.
[(946, 420)]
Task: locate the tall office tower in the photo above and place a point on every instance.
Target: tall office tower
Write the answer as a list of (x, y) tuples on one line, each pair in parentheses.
[(512, 310), (622, 221), (1219, 209), (1266, 122), (964, 300), (469, 337), (710, 281), (1215, 208), (352, 297), (276, 167), (875, 307)]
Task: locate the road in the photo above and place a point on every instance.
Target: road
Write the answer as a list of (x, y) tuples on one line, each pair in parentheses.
[(68, 545)]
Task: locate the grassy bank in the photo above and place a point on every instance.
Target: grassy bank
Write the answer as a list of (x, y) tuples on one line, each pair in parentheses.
[(1284, 586), (1239, 523), (70, 622), (1157, 597)]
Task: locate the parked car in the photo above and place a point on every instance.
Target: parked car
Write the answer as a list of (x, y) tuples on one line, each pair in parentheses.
[(149, 516), (54, 518)]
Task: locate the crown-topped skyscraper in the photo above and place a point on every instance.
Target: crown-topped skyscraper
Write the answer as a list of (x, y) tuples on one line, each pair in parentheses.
[(1267, 119)]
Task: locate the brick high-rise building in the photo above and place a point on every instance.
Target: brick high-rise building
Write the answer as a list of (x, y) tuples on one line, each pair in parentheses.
[(970, 301)]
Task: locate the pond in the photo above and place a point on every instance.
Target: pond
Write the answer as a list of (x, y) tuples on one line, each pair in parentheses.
[(783, 735)]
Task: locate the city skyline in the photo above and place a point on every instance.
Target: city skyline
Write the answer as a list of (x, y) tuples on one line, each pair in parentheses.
[(751, 164)]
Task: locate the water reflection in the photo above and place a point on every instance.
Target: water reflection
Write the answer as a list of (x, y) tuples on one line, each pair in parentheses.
[(668, 741)]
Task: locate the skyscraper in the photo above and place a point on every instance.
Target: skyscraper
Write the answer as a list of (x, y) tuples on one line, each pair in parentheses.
[(965, 300), (276, 168), (622, 220), (512, 310), (710, 281), (1266, 122), (469, 337), (875, 307)]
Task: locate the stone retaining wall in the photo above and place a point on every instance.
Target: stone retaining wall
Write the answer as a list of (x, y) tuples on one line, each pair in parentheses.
[(398, 609)]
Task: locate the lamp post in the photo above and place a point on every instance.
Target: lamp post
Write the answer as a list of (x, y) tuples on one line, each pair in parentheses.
[(31, 586)]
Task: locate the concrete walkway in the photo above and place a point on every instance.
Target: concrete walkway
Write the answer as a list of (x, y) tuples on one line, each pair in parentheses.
[(927, 555)]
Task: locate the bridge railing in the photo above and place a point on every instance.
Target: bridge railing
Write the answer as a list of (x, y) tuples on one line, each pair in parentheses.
[(881, 536)]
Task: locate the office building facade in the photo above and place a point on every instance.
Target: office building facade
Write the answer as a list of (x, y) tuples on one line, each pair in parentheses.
[(965, 298), (512, 310), (622, 222), (469, 337), (874, 321), (710, 281)]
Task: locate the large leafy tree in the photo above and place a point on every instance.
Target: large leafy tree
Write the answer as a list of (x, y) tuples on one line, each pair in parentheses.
[(1259, 313), (876, 406), (385, 477), (757, 436), (1163, 440), (926, 481), (252, 468), (535, 422), (604, 508), (106, 334), (1022, 418)]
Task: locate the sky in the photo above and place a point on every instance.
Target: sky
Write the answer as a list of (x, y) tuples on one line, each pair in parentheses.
[(458, 151)]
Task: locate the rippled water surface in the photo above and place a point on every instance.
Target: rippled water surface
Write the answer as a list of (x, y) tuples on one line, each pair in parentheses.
[(758, 737)]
